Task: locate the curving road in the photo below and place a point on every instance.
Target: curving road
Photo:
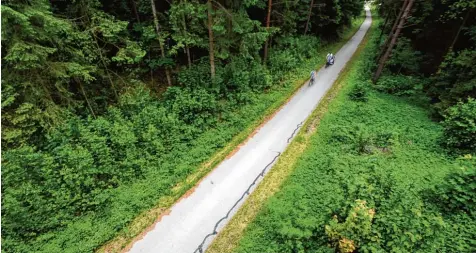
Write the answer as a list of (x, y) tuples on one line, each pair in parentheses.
[(195, 217)]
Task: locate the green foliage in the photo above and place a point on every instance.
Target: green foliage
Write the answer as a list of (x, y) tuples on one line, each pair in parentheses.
[(39, 54), (281, 62), (449, 60), (261, 78), (235, 33), (349, 235), (400, 85), (83, 138), (459, 6), (339, 199), (53, 65), (289, 52), (359, 141), (455, 79), (196, 76), (301, 47), (459, 191), (404, 57), (23, 123), (130, 54), (106, 163), (359, 93), (244, 76), (196, 107), (186, 20), (460, 126)]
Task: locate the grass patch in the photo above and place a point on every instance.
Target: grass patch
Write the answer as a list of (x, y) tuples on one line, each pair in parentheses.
[(228, 239), (255, 115)]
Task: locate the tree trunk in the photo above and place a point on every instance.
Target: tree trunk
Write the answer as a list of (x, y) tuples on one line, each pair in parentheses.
[(459, 31), (402, 10), (105, 65), (210, 40), (187, 49), (268, 19), (188, 56), (151, 71), (309, 17), (86, 97), (162, 51), (134, 8), (384, 59), (89, 23), (392, 32)]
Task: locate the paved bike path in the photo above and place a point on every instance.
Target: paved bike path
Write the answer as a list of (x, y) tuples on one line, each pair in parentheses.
[(194, 217)]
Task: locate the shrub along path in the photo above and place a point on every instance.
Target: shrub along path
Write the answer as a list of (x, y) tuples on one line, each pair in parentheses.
[(214, 200)]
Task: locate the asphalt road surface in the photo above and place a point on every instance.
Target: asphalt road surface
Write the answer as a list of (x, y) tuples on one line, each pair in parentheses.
[(195, 217)]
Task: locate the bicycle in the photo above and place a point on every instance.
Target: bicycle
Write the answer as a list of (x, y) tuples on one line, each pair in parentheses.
[(330, 61), (311, 81)]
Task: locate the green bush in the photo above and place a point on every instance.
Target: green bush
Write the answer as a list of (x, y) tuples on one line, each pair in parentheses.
[(359, 140), (359, 93), (43, 191), (72, 175), (281, 62), (347, 236), (260, 77), (459, 191), (399, 84), (198, 75), (302, 47), (460, 126), (239, 81), (195, 106)]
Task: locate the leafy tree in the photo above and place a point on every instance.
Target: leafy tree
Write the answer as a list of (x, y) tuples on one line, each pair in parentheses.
[(41, 64), (186, 18), (161, 40)]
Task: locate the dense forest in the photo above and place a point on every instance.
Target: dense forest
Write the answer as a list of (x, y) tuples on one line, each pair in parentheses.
[(391, 165), (108, 105)]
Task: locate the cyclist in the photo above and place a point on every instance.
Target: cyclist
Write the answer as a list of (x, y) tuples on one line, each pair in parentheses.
[(330, 59), (313, 75)]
